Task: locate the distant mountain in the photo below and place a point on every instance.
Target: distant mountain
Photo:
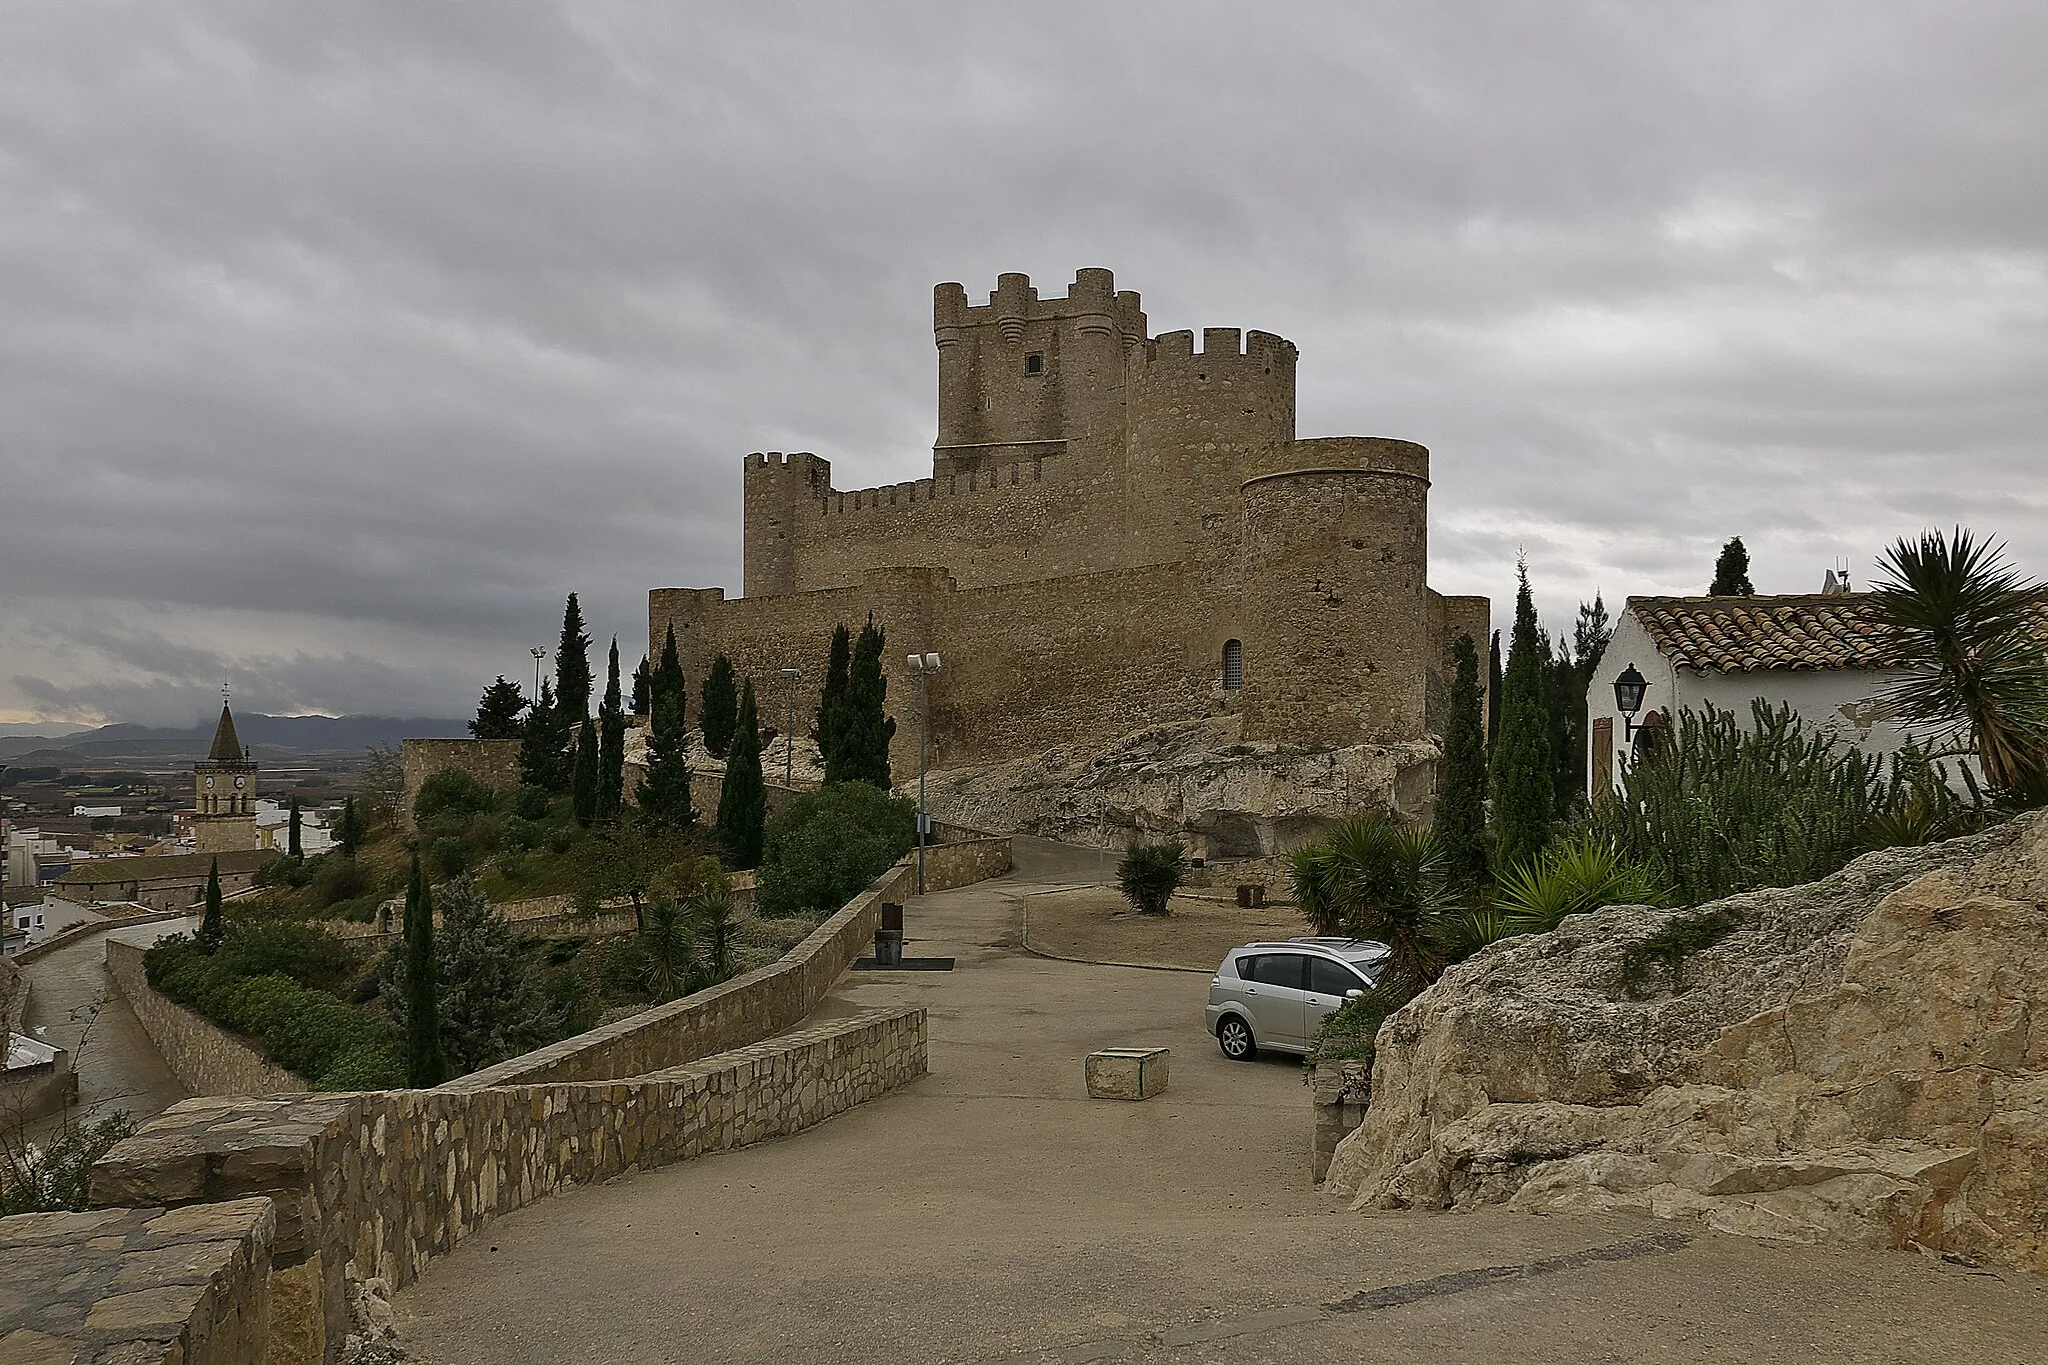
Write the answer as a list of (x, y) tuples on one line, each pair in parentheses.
[(275, 737)]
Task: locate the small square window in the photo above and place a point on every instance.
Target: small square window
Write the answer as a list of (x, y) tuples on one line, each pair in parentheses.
[(1034, 364)]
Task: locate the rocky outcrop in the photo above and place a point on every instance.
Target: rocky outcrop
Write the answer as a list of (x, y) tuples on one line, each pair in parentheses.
[(1196, 778), (1863, 1060)]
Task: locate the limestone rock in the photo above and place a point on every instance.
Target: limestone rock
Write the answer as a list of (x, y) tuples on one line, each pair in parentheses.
[(1856, 1062), (1196, 778)]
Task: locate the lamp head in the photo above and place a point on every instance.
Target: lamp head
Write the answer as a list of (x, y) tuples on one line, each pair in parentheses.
[(1629, 689)]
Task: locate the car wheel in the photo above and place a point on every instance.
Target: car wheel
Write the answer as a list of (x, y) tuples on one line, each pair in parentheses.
[(1234, 1035)]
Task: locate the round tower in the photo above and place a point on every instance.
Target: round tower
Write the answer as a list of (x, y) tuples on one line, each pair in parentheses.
[(1334, 610)]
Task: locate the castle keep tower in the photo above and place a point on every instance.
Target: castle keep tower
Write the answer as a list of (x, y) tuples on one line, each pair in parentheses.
[(224, 793)]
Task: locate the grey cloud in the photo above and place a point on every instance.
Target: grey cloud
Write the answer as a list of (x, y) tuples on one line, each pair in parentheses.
[(395, 323)]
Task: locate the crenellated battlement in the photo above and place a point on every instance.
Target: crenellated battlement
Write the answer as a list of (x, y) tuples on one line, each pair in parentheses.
[(1020, 473)]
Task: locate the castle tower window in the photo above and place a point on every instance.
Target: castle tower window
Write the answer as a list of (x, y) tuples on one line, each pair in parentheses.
[(1034, 364), (1233, 665)]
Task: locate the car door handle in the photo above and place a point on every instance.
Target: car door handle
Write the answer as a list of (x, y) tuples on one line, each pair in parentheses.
[(1251, 990)]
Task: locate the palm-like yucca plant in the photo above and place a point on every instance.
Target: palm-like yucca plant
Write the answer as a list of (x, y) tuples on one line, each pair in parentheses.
[(1968, 628), (667, 940), (1373, 878), (1576, 875)]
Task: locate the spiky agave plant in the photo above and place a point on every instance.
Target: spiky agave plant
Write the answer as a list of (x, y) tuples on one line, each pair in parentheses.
[(1583, 873), (1968, 629), (1374, 878)]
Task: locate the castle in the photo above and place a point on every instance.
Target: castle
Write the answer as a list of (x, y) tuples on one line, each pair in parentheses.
[(1120, 531)]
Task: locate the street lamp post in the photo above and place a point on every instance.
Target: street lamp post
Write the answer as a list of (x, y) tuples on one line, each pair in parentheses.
[(790, 678), (538, 654), (924, 665)]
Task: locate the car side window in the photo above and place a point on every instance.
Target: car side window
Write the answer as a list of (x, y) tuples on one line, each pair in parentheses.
[(1248, 968), (1281, 969), (1332, 978)]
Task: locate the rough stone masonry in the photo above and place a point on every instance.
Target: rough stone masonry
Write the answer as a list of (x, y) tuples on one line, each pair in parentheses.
[(1121, 531)]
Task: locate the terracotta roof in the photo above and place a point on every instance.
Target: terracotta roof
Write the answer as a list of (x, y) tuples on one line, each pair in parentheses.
[(1742, 634), (227, 747), (101, 871)]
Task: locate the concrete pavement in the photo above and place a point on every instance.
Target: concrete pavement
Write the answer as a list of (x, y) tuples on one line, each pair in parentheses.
[(990, 1212)]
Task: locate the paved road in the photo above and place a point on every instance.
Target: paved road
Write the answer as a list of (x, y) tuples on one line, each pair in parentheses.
[(76, 1007), (990, 1211)]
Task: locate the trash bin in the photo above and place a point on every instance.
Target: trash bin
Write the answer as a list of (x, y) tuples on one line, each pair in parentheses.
[(888, 947)]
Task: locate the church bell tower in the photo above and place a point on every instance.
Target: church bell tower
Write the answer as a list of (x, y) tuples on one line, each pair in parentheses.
[(224, 792)]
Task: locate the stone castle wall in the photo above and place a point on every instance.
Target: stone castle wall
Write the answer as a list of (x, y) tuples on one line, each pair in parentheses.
[(493, 762), (206, 1058)]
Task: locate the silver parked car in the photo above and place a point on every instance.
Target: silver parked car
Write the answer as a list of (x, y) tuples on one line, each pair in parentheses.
[(1275, 995)]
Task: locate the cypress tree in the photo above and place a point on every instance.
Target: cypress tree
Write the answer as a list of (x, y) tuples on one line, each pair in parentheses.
[(838, 665), (1731, 571), (611, 744), (425, 1064), (861, 734), (1523, 785), (664, 793), (643, 684), (583, 786), (211, 930), (1564, 701), (720, 711), (1460, 821), (1493, 683), (348, 836), (743, 803), (544, 750), (572, 664), (294, 847)]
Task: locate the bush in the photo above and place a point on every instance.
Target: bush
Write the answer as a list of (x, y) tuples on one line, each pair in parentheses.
[(511, 865), (1580, 874), (1348, 1032), (451, 795), (1150, 873), (521, 835), (339, 879), (561, 839), (367, 1066), (826, 846), (531, 803), (55, 1175), (449, 856), (284, 870)]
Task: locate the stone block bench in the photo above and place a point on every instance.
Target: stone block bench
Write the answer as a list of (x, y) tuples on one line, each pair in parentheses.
[(1127, 1073)]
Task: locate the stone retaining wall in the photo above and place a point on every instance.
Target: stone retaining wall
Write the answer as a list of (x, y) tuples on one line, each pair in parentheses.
[(965, 862), (732, 1014), (206, 1058), (1338, 1093), (379, 1184)]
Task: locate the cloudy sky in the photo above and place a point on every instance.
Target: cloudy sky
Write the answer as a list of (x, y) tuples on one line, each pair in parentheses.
[(338, 342)]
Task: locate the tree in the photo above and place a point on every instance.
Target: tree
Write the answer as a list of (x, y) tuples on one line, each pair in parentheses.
[(838, 664), (712, 917), (664, 793), (381, 792), (1375, 878), (1460, 819), (348, 834), (825, 846), (611, 744), (583, 785), (1564, 703), (572, 664), (743, 801), (545, 751), (488, 1008), (1590, 636), (294, 839), (211, 930), (1523, 784), (1967, 627), (720, 711), (1731, 572), (426, 1065), (862, 732), (501, 712), (643, 684), (1493, 688), (625, 862)]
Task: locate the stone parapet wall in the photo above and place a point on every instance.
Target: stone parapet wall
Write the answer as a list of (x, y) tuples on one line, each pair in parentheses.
[(493, 762), (965, 862), (379, 1184), (206, 1058), (1339, 1092), (139, 1286), (729, 1015)]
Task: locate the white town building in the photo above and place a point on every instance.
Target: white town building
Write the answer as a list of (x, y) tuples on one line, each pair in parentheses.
[(1821, 654)]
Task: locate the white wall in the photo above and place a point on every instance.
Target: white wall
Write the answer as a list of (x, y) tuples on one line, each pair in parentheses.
[(1841, 700)]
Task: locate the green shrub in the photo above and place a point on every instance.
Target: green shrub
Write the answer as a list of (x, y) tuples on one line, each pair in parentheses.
[(55, 1174), (561, 839), (339, 879), (521, 835), (1721, 807), (1150, 873), (826, 846), (366, 1066), (451, 795), (357, 909), (449, 855), (1579, 874), (1348, 1032), (531, 803), (511, 865), (285, 870)]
